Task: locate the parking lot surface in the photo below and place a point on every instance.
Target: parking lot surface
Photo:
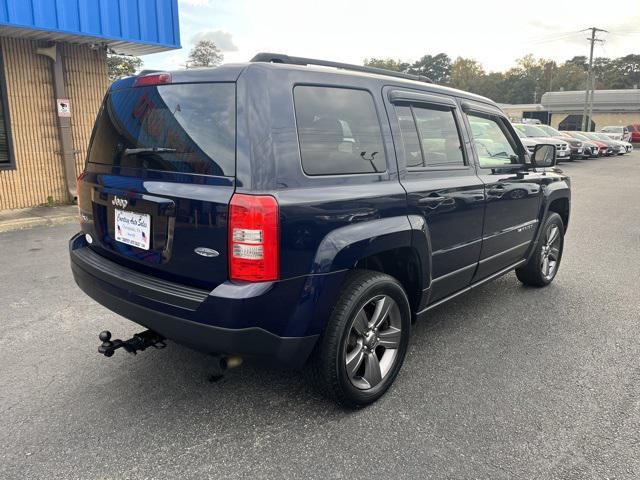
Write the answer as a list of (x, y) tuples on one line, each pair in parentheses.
[(503, 382)]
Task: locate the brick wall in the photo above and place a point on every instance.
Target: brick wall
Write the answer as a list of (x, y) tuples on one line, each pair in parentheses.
[(39, 174)]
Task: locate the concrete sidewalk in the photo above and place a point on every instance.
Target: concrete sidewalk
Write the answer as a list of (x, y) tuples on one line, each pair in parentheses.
[(37, 216)]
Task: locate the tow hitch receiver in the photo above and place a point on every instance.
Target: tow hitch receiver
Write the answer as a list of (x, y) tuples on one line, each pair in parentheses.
[(138, 343)]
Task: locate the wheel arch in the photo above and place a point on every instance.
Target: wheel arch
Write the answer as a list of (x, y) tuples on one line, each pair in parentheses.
[(398, 246), (557, 199), (561, 206)]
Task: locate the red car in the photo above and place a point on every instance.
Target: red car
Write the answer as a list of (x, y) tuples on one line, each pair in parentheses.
[(635, 132)]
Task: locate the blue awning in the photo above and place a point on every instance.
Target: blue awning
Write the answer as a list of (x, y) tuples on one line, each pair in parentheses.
[(134, 27)]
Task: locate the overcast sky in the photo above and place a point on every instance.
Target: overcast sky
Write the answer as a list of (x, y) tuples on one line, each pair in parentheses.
[(495, 33)]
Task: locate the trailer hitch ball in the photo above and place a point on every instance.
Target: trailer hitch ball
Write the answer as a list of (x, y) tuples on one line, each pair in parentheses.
[(107, 346), (139, 342)]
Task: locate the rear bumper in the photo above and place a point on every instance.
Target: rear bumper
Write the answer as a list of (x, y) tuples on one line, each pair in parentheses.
[(279, 322)]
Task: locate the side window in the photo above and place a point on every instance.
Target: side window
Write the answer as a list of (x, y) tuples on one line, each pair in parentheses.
[(430, 136), (493, 141), (439, 135), (410, 140), (338, 131)]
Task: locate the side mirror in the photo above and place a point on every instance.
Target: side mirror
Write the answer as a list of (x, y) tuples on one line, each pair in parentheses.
[(544, 155)]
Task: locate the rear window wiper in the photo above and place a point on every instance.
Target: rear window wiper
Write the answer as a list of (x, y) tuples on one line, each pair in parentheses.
[(134, 151)]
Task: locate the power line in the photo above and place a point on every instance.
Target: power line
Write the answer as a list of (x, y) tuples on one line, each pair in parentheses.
[(589, 89), (554, 39), (534, 38)]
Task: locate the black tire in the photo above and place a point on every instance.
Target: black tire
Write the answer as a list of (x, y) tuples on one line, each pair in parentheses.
[(362, 290), (533, 273)]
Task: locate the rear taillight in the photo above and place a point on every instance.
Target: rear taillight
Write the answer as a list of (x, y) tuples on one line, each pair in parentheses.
[(254, 238), (153, 79)]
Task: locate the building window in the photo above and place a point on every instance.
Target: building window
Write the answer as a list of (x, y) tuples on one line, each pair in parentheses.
[(6, 152)]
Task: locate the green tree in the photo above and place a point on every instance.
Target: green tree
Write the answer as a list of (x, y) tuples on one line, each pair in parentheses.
[(569, 76), (387, 64), (205, 54), (528, 80), (491, 86), (465, 73), (625, 72), (437, 68), (579, 61), (119, 66)]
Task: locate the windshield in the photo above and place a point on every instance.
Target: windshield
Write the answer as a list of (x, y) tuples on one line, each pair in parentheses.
[(186, 128), (577, 135), (531, 131), (612, 129), (549, 130), (602, 136), (594, 136)]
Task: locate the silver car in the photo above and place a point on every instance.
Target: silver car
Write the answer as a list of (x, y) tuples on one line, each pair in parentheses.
[(617, 132), (621, 146), (533, 132)]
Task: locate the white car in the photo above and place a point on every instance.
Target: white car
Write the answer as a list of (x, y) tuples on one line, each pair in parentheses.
[(617, 133), (537, 135)]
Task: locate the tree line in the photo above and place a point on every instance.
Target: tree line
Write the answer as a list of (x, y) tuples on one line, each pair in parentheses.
[(526, 81)]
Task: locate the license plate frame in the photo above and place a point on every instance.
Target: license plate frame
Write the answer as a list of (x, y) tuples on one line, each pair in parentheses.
[(132, 228)]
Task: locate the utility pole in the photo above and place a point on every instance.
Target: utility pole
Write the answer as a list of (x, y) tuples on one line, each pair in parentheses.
[(590, 112), (588, 91)]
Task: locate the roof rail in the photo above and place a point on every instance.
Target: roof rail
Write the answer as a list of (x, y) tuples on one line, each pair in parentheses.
[(286, 59)]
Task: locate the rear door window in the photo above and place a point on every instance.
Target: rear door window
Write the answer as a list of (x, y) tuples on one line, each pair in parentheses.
[(430, 136), (185, 128), (439, 136), (338, 131)]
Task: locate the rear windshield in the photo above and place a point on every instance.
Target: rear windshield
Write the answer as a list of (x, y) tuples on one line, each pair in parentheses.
[(185, 128)]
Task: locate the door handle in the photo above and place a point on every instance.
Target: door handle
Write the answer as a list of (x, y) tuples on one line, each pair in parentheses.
[(434, 202), (431, 200)]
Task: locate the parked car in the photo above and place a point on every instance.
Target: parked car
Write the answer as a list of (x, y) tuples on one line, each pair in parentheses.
[(534, 132), (529, 143), (620, 148), (617, 132), (611, 148), (591, 147), (634, 131), (576, 146), (226, 209)]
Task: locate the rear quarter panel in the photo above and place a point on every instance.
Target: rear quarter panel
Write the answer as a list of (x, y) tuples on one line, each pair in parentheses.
[(313, 208)]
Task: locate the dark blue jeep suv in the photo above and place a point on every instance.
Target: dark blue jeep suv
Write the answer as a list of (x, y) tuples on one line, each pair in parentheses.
[(302, 214)]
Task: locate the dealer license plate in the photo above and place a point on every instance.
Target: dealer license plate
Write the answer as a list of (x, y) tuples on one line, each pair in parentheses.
[(133, 228)]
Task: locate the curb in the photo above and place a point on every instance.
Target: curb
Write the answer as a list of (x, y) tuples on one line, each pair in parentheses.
[(31, 222)]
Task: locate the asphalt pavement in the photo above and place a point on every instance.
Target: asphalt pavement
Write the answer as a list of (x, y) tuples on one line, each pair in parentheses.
[(503, 382)]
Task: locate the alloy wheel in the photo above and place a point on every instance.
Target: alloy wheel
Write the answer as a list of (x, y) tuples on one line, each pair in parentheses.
[(550, 252), (371, 348)]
